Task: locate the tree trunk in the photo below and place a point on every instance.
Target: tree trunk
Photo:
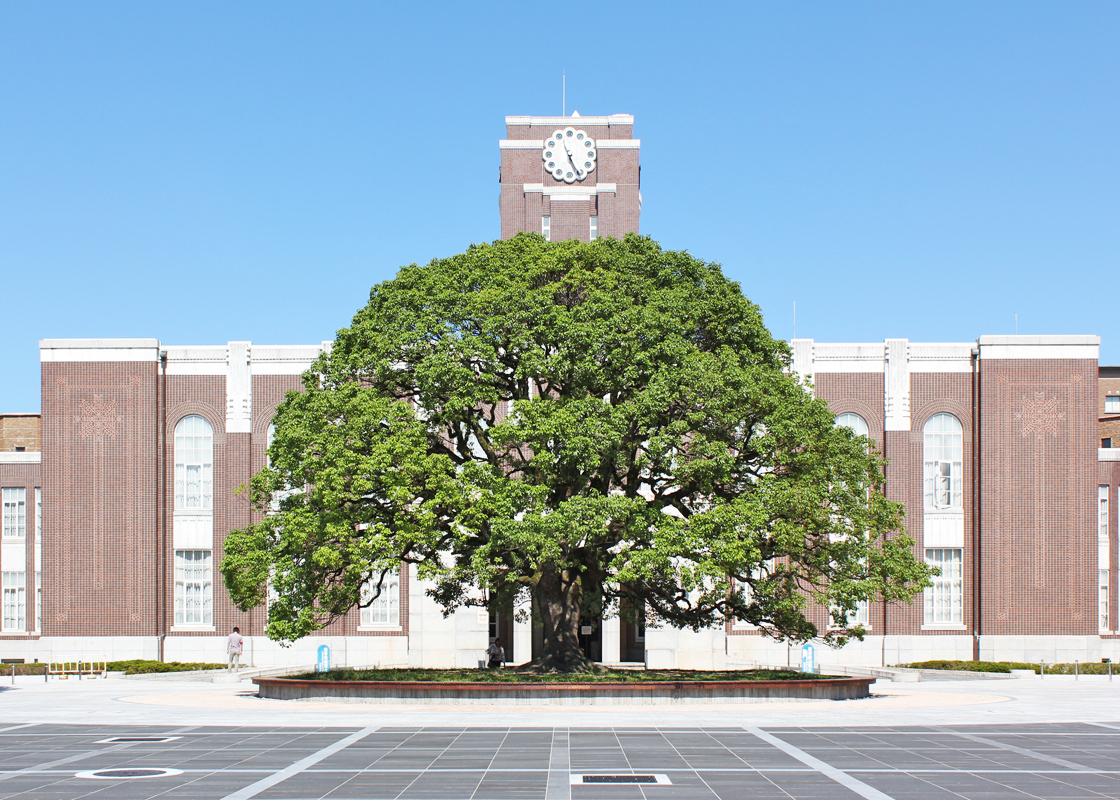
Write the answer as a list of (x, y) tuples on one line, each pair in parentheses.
[(558, 597)]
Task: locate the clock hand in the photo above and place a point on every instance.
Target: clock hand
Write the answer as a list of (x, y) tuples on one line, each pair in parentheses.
[(571, 157)]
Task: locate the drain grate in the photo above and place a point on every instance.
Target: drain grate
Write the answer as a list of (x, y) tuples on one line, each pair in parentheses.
[(127, 773), (124, 739), (656, 779)]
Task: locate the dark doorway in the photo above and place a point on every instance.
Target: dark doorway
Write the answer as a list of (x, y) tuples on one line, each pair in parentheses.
[(501, 627), (632, 632)]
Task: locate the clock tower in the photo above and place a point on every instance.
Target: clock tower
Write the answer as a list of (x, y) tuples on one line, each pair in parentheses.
[(570, 177)]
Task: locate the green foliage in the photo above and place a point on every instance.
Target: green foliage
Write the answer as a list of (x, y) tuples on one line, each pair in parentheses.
[(1084, 668), (34, 668), (141, 666), (972, 666), (513, 676), (532, 417)]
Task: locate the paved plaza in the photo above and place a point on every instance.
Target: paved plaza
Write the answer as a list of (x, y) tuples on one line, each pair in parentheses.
[(181, 740)]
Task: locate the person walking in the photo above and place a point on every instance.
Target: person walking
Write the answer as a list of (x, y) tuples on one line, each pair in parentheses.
[(233, 649), (495, 654)]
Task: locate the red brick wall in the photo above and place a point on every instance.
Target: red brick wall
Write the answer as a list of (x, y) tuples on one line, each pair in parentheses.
[(1038, 445), (99, 498)]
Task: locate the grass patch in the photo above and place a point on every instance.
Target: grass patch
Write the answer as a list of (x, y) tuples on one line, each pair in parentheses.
[(1087, 668), (512, 676), (140, 666)]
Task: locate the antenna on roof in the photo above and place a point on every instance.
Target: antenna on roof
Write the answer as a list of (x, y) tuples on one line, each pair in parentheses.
[(564, 94), (794, 319)]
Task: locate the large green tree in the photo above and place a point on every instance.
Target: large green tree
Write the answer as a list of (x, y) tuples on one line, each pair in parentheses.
[(584, 422)]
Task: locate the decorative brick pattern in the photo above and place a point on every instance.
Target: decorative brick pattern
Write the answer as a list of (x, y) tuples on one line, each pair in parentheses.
[(1039, 431), (99, 503)]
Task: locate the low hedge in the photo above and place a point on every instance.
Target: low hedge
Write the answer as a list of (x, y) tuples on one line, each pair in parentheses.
[(972, 666), (137, 666), (1084, 668), (516, 676), (141, 666)]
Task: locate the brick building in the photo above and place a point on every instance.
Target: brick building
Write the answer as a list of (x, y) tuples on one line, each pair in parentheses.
[(114, 514)]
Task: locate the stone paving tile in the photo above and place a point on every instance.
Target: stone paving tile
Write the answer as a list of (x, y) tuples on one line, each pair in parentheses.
[(372, 786), (511, 764)]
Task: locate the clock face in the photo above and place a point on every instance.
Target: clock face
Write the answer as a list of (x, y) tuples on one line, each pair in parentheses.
[(569, 155)]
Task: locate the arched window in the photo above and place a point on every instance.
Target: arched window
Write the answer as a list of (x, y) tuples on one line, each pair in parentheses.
[(862, 615), (943, 457), (854, 422), (268, 442), (194, 464)]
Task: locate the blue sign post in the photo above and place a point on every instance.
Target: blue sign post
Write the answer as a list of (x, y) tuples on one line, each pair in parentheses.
[(807, 658), (324, 663)]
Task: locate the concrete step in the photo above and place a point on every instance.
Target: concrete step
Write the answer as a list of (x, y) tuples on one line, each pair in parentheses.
[(261, 672)]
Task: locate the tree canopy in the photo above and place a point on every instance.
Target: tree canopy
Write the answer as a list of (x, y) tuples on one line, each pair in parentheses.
[(575, 421)]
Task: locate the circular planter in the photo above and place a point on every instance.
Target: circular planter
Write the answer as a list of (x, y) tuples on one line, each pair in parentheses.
[(566, 694)]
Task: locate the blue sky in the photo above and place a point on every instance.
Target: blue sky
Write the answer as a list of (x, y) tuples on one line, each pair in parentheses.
[(207, 172)]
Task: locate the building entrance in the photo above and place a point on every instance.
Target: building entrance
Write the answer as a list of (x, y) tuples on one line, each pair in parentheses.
[(501, 627), (632, 633)]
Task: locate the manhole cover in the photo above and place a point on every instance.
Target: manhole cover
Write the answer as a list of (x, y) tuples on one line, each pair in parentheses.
[(127, 773), (661, 780), (123, 739)]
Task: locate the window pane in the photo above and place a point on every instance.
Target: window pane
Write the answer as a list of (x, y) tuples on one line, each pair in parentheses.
[(944, 601), (14, 611), (14, 516), (385, 610), (194, 456), (943, 457), (193, 587), (854, 422)]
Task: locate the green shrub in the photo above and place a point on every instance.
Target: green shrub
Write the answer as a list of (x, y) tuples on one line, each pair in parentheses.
[(1086, 668), (515, 676), (22, 669), (972, 666), (136, 666), (140, 666)]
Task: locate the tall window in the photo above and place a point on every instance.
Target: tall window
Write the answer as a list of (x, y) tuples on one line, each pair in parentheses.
[(546, 228), (1102, 513), (594, 228), (15, 601), (38, 513), (269, 436), (945, 599), (194, 464), (943, 457), (1102, 598), (15, 513), (1102, 539), (38, 601), (193, 588), (861, 616), (385, 610)]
